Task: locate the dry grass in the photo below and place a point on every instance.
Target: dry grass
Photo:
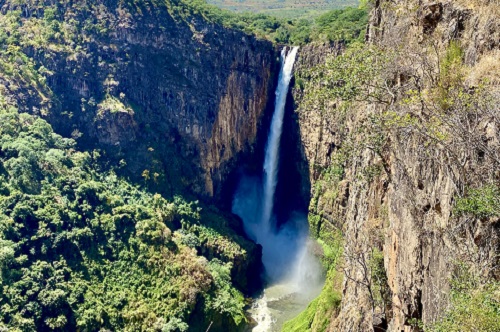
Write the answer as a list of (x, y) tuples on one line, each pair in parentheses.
[(481, 6), (488, 11), (486, 70)]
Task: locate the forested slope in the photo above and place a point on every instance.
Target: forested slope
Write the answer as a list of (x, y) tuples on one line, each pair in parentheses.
[(85, 242), (82, 249)]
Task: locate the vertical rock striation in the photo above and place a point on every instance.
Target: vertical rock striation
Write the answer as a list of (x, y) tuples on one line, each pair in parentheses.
[(405, 210), (154, 84)]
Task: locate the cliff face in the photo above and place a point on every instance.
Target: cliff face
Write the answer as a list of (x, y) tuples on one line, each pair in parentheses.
[(171, 100), (177, 101), (174, 97), (397, 198)]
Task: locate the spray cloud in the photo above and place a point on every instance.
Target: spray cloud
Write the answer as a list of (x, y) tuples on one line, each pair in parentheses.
[(286, 257)]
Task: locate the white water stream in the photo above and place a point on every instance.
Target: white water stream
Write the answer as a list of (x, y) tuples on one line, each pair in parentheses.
[(273, 141), (293, 273)]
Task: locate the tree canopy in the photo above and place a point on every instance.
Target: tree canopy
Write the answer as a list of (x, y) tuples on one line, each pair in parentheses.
[(82, 249)]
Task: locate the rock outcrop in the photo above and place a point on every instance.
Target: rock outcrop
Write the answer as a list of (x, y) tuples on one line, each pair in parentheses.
[(398, 200), (183, 97)]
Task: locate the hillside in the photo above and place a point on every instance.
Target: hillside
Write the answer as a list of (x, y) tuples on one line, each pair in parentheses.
[(93, 234), (286, 8), (82, 249), (129, 130), (401, 139)]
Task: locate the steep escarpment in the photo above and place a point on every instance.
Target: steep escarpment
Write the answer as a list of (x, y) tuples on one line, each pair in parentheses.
[(402, 137), (157, 101), (83, 249), (399, 138), (171, 96)]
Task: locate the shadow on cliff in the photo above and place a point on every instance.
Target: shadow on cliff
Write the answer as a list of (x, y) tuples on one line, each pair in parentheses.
[(294, 186), (284, 245)]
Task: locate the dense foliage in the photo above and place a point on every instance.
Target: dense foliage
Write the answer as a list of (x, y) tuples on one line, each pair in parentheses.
[(482, 202), (345, 25), (81, 249)]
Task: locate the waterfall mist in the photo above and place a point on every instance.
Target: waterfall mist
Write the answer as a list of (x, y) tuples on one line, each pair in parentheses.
[(286, 257)]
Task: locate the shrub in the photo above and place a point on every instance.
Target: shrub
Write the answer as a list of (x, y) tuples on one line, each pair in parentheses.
[(482, 202), (474, 306)]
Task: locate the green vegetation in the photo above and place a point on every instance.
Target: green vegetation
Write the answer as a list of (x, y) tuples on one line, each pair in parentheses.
[(284, 8), (483, 202), (345, 25), (316, 316), (354, 76), (82, 249), (379, 289), (451, 74), (474, 305), (331, 243)]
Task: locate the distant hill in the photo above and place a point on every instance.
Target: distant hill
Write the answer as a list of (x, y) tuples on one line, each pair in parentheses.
[(284, 8)]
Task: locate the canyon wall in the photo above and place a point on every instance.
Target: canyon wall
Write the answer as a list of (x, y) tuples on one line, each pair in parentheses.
[(168, 95), (397, 198), (165, 97), (176, 102)]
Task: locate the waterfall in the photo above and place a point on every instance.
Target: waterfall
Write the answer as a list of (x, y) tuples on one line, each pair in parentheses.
[(292, 273), (273, 143), (254, 198)]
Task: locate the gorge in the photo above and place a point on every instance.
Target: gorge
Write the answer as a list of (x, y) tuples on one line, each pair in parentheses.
[(290, 269), (160, 166)]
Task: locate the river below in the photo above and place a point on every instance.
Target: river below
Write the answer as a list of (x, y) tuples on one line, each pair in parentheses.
[(278, 304)]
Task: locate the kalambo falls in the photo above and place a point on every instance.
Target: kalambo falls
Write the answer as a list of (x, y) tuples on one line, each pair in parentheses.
[(193, 165)]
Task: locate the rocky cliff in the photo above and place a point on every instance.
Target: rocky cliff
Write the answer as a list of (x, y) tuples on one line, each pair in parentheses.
[(388, 171), (171, 101), (176, 99)]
